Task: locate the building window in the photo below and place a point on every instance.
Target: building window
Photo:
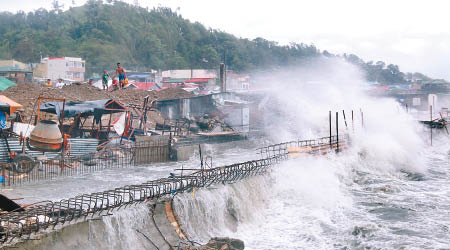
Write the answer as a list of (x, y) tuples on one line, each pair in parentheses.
[(82, 64)]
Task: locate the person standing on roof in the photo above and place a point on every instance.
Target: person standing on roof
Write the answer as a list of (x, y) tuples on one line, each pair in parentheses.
[(48, 83), (122, 75), (105, 78), (60, 84)]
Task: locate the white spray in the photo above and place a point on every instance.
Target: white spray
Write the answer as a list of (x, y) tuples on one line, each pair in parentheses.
[(308, 202)]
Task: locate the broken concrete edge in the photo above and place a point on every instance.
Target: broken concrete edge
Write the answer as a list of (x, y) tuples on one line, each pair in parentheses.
[(173, 219), (219, 243), (215, 243)]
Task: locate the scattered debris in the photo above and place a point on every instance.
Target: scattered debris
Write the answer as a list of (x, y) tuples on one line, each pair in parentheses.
[(219, 243), (27, 94)]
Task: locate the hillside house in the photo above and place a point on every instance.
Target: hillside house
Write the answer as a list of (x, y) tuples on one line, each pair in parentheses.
[(71, 68)]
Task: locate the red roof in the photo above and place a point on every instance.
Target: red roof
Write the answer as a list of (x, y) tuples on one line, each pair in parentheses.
[(145, 85), (190, 85), (56, 58), (170, 85), (180, 85), (382, 87), (198, 80)]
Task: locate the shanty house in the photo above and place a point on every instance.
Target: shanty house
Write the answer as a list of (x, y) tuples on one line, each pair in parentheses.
[(7, 108), (16, 74), (234, 111)]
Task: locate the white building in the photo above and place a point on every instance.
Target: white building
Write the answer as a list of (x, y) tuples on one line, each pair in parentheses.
[(189, 73), (238, 81), (72, 68)]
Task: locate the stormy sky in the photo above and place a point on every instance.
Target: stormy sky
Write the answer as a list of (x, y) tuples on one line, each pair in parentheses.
[(413, 34)]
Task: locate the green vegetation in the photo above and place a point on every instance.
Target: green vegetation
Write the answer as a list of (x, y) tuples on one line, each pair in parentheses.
[(142, 39), (382, 73)]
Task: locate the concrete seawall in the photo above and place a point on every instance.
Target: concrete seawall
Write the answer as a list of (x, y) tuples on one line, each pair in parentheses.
[(158, 230)]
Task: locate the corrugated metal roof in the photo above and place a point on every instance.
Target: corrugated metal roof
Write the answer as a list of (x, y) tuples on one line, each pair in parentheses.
[(5, 83), (146, 85), (79, 147), (199, 80), (175, 80), (139, 75), (12, 69)]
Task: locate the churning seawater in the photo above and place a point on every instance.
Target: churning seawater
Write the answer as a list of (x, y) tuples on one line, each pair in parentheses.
[(344, 201), (389, 190)]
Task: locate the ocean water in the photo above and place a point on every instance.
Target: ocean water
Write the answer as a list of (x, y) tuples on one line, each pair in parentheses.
[(344, 201), (389, 190)]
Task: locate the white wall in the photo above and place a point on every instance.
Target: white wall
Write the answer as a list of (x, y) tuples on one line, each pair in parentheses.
[(186, 73), (65, 67)]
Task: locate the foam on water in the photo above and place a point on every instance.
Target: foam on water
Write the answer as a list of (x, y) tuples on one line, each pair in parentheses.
[(388, 190), (327, 203)]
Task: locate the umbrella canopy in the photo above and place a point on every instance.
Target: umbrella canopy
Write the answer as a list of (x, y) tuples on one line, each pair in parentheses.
[(8, 106)]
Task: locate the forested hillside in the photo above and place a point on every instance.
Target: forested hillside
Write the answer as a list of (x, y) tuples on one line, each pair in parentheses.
[(142, 39)]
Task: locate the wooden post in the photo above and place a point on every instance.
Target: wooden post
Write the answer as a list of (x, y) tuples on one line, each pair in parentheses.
[(345, 120), (337, 132), (61, 117), (433, 104), (362, 118), (99, 130), (109, 123), (38, 113), (329, 119), (353, 124), (92, 128), (431, 125)]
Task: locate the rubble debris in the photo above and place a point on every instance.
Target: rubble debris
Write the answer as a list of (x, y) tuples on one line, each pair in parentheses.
[(27, 94), (219, 243)]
